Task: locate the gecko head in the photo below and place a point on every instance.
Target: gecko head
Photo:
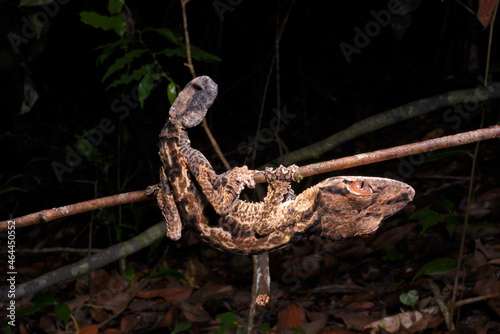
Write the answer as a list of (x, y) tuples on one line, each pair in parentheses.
[(192, 103), (355, 205)]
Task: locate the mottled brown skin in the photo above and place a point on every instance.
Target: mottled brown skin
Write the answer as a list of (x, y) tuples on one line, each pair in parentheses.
[(336, 208)]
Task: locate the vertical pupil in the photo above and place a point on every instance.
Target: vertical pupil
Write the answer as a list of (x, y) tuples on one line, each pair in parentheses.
[(360, 187)]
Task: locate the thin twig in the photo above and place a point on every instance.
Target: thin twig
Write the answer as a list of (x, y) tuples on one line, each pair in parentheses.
[(461, 251), (186, 36), (59, 250), (190, 65), (215, 145), (466, 7)]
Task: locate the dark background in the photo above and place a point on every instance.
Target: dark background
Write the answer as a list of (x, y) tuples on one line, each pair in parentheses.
[(443, 48)]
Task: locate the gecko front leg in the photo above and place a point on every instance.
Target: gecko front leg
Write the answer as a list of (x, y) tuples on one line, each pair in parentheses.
[(278, 191)]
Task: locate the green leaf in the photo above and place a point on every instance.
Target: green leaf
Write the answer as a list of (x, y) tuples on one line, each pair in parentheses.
[(196, 54), (436, 267), (173, 90), (63, 312), (121, 62), (96, 20), (108, 49), (429, 218), (44, 299), (119, 25), (428, 222), (165, 32), (32, 3), (181, 327), (146, 86), (228, 317), (242, 329), (422, 213), (264, 327), (173, 52), (115, 6), (298, 330), (452, 222), (410, 298), (129, 274), (228, 320), (166, 273), (99, 21), (136, 75), (40, 302), (447, 205), (201, 55), (7, 329)]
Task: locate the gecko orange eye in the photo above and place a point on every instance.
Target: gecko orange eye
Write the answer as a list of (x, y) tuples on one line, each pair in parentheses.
[(360, 188)]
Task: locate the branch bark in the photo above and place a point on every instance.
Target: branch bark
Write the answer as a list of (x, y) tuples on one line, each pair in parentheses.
[(395, 152), (73, 209), (88, 264)]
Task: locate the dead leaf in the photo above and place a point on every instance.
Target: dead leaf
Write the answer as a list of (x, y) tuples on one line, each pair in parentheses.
[(317, 322), (104, 286), (486, 286), (117, 303), (195, 313), (138, 304), (129, 323), (47, 324), (485, 11), (212, 289), (92, 329), (412, 321), (356, 319), (290, 317), (111, 331), (393, 236), (171, 295), (99, 314), (78, 301), (168, 319)]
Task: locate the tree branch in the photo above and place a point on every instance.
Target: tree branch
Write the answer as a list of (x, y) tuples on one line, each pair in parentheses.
[(88, 264), (308, 170), (73, 209), (393, 153)]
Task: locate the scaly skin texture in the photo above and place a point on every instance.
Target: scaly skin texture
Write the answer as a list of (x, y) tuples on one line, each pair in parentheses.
[(336, 208)]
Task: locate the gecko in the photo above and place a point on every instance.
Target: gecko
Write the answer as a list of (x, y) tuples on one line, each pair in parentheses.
[(192, 193)]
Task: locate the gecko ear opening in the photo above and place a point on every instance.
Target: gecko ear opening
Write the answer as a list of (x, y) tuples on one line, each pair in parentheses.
[(192, 103)]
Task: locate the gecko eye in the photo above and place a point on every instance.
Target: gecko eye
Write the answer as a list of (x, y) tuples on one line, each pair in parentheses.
[(360, 188)]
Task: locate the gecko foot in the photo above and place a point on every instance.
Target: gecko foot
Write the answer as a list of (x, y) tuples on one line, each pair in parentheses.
[(281, 174)]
